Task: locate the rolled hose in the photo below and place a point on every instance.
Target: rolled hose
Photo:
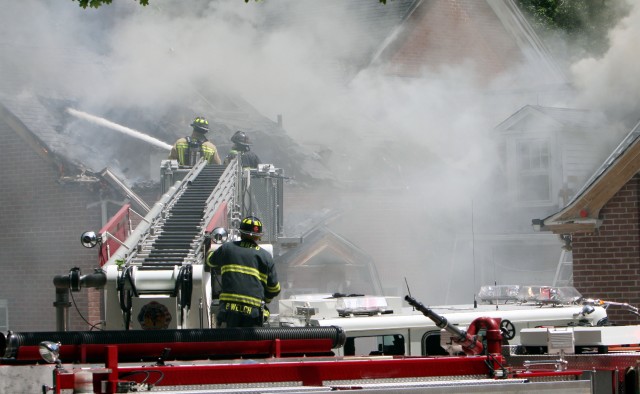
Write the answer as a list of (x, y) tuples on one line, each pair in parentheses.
[(85, 346)]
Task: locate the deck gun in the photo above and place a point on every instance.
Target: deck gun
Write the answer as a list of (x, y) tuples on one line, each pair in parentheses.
[(473, 339)]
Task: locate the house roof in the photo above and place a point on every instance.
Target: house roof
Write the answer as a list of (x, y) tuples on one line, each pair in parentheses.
[(68, 171), (90, 147), (566, 118), (321, 240), (581, 214), (474, 34)]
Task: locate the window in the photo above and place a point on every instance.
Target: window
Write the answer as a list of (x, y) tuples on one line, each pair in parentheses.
[(375, 345), (533, 170), (431, 344), (4, 316)]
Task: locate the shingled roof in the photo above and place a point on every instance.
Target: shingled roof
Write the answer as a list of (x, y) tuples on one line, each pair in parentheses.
[(87, 147)]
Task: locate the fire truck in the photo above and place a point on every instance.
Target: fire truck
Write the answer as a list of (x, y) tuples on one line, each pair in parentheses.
[(159, 298)]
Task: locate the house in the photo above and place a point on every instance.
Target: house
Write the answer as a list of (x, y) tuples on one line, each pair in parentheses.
[(326, 262), (548, 152), (398, 205), (47, 202), (600, 226), (493, 35)]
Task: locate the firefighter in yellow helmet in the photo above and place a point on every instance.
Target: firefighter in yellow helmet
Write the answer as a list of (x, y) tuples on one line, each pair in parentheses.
[(249, 278), (188, 150)]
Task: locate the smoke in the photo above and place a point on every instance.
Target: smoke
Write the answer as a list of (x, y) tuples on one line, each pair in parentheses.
[(425, 146), (609, 82)]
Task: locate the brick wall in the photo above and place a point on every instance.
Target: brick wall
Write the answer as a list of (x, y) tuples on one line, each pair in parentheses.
[(454, 32), (42, 220), (606, 264)]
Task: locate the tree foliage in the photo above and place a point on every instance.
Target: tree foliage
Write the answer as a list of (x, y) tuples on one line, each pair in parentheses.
[(584, 24), (98, 3)]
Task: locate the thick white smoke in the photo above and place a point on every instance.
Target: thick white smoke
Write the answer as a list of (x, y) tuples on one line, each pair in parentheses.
[(430, 140), (611, 82)]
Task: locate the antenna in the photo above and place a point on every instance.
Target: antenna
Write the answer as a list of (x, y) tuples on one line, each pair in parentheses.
[(473, 255), (408, 290)]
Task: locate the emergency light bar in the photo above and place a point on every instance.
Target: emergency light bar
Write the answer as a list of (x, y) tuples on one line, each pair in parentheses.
[(549, 294), (534, 294), (370, 305)]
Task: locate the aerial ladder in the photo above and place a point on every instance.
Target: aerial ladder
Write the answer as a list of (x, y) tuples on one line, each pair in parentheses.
[(154, 276)]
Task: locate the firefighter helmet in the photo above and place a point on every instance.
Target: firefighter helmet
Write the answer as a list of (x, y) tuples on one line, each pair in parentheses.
[(251, 226), (200, 124), (240, 138)]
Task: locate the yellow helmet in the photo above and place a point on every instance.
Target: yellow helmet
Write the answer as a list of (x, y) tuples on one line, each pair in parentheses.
[(200, 124)]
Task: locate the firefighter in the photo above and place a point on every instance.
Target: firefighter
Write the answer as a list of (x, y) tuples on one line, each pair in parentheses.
[(242, 145), (249, 278), (188, 150)]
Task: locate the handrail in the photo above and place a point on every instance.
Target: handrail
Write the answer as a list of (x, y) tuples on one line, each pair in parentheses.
[(142, 230)]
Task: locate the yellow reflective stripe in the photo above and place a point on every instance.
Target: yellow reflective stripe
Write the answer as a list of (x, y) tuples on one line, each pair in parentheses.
[(273, 289), (208, 258), (208, 152), (252, 222), (244, 270), (250, 245), (232, 306), (181, 148), (228, 297)]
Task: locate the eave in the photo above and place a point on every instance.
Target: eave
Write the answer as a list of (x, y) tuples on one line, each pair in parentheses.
[(582, 214)]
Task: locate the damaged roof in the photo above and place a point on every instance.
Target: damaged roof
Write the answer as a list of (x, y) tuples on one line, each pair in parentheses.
[(88, 147)]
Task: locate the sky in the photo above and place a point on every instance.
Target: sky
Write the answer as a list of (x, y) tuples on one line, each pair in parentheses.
[(154, 57)]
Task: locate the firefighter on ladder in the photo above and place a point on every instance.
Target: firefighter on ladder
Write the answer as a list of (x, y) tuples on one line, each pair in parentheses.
[(249, 278), (242, 145), (188, 150)]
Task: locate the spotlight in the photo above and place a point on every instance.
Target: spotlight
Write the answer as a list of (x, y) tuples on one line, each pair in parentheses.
[(219, 235), (50, 351), (587, 310), (89, 239)]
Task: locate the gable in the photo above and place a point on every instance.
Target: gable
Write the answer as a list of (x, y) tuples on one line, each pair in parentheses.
[(30, 140), (529, 118), (322, 244), (443, 33), (325, 256)]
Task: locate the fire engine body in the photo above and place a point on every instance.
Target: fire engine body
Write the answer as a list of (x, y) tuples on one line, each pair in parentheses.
[(158, 332), (376, 319)]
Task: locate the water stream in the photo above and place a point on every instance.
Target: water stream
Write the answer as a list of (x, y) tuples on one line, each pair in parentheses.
[(114, 126)]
